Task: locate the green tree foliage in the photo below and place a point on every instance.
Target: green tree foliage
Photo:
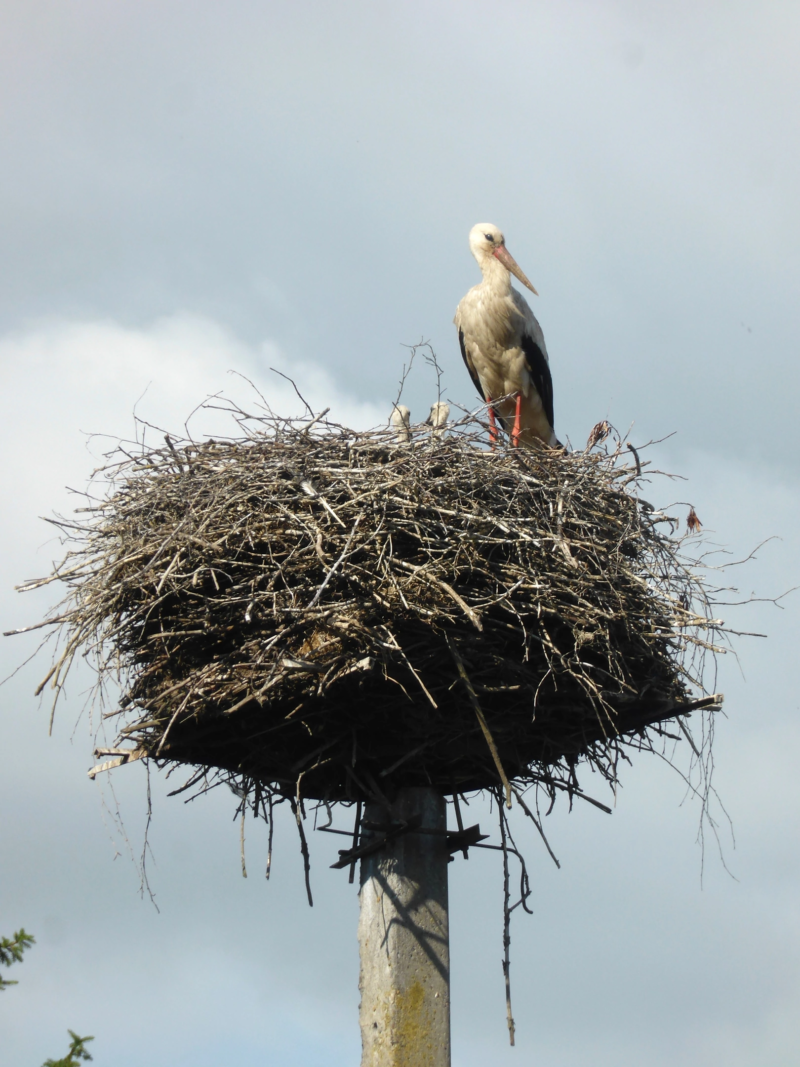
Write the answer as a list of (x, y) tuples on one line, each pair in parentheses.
[(77, 1052), (11, 950)]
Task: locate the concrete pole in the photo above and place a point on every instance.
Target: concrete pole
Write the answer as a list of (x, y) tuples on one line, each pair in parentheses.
[(404, 940)]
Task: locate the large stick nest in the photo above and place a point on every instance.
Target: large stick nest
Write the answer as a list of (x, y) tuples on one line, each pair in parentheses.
[(328, 614)]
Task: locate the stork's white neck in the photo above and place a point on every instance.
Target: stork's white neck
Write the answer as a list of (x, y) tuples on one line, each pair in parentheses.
[(495, 275)]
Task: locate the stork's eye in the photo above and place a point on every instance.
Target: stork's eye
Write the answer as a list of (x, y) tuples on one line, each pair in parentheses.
[(489, 237)]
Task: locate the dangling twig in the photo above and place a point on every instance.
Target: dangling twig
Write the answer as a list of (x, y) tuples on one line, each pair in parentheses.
[(480, 716), (271, 825), (506, 927), (304, 849), (356, 829), (241, 837)]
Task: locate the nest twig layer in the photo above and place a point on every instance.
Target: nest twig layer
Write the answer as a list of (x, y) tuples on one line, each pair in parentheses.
[(331, 615)]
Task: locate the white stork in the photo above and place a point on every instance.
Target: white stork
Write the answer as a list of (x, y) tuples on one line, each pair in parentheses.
[(503, 344), (400, 420), (437, 419)]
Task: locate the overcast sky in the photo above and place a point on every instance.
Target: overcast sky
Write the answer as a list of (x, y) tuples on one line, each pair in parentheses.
[(193, 189)]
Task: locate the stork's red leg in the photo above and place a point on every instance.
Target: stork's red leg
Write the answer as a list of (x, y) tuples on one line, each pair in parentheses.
[(492, 424), (516, 431)]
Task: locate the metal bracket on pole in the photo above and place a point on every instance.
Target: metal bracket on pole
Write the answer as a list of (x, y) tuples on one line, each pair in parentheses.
[(456, 840)]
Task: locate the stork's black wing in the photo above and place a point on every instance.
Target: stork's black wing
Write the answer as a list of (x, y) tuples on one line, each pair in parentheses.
[(539, 371), (468, 362)]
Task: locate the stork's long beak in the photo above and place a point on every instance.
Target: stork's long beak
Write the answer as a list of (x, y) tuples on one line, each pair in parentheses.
[(508, 261)]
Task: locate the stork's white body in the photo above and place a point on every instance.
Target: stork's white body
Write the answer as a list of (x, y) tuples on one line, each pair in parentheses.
[(502, 343), (400, 420)]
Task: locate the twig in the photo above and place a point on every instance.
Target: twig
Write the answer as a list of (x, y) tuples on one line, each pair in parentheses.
[(480, 716), (636, 458), (356, 831), (335, 566), (294, 386), (506, 929), (303, 849)]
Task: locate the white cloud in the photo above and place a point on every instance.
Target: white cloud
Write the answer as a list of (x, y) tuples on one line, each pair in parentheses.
[(66, 381), (69, 392), (65, 376)]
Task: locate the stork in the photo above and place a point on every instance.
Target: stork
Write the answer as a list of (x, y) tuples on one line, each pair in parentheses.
[(437, 419), (503, 345), (400, 420)]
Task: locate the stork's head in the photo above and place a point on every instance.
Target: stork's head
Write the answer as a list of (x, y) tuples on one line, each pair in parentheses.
[(485, 241), (439, 414)]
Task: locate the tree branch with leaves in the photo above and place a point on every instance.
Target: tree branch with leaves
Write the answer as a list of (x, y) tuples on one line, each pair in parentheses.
[(11, 951)]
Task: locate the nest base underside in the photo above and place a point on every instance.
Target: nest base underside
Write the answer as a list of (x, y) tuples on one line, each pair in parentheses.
[(410, 719), (455, 756)]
